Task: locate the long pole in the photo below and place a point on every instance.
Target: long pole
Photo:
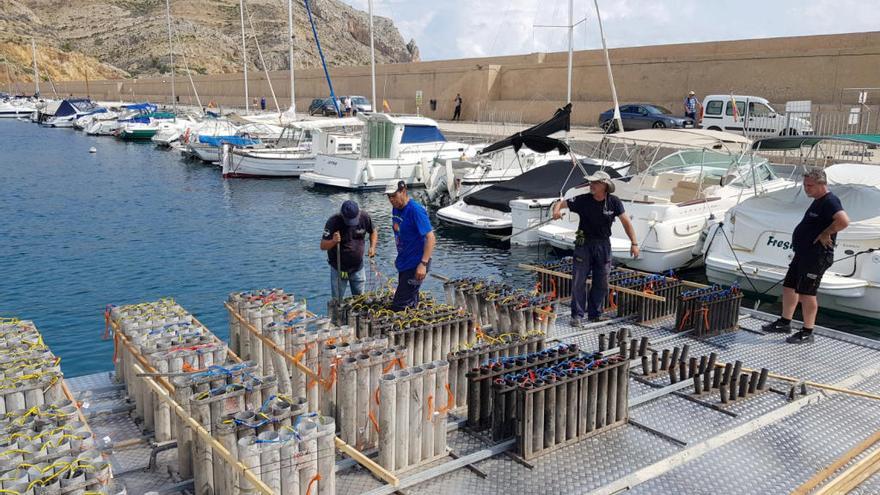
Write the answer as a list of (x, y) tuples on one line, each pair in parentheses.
[(189, 73), (292, 109), (247, 107), (570, 46), (323, 61), (171, 52), (263, 62), (9, 77), (608, 67), (372, 59), (36, 74)]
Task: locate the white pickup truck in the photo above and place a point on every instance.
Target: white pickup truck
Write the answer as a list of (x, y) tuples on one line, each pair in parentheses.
[(753, 117)]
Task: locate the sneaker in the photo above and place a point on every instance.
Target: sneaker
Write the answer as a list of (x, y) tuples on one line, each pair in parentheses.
[(597, 319), (800, 337), (777, 327), (575, 322)]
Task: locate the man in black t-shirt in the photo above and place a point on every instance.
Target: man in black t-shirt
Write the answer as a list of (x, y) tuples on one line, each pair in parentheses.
[(592, 253), (813, 243), (346, 231)]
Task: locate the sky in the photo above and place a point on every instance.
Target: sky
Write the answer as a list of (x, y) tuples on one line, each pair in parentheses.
[(449, 29)]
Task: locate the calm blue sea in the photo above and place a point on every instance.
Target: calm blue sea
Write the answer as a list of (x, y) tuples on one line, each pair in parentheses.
[(133, 223)]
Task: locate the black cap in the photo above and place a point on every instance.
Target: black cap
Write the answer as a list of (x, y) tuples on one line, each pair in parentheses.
[(350, 212)]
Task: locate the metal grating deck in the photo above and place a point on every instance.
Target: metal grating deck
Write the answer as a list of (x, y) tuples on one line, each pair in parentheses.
[(766, 458)]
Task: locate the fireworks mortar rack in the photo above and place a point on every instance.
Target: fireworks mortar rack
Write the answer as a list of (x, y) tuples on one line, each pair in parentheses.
[(501, 307), (708, 311)]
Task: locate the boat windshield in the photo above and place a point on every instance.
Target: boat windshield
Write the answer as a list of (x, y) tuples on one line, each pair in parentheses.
[(711, 163), (734, 169), (292, 136), (747, 176)]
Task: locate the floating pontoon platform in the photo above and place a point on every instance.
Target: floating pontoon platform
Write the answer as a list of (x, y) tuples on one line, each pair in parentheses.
[(819, 417)]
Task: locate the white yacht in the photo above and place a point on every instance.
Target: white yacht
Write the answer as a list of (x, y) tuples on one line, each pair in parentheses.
[(86, 121), (488, 210), (16, 107), (109, 126), (294, 153), (752, 245), (671, 201), (503, 160), (452, 179), (393, 147), (71, 109)]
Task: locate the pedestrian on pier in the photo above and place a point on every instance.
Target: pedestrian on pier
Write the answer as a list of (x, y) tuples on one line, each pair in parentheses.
[(263, 103), (343, 239), (813, 243), (592, 252), (415, 241), (690, 106), (457, 114)]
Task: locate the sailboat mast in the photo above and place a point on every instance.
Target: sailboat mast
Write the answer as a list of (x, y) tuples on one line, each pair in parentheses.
[(372, 60), (171, 52), (570, 46), (247, 107), (292, 109), (9, 77), (36, 74), (608, 68)]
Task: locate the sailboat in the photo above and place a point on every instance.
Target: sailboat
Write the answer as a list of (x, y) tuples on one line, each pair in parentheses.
[(294, 153)]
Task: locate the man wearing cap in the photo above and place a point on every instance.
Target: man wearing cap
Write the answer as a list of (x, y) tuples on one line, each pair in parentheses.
[(690, 106), (346, 231), (813, 244), (415, 240), (592, 253)]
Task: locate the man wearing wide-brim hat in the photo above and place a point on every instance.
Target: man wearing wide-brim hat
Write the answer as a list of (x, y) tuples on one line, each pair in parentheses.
[(592, 252)]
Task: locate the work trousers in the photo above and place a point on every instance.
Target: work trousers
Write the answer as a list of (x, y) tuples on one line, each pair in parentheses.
[(593, 258)]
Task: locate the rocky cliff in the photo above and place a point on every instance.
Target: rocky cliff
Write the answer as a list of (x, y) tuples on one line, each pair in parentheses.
[(129, 38)]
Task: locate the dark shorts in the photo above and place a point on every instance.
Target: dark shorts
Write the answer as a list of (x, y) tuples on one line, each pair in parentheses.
[(805, 273)]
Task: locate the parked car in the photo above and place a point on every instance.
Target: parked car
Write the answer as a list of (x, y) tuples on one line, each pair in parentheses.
[(754, 117), (359, 104), (643, 116), (316, 106), (324, 106)]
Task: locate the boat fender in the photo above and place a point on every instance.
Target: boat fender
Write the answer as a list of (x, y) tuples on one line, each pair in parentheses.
[(701, 247)]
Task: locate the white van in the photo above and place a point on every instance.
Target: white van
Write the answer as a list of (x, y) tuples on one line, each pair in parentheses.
[(754, 117)]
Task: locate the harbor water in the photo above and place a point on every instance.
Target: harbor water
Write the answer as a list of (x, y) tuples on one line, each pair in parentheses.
[(132, 223)]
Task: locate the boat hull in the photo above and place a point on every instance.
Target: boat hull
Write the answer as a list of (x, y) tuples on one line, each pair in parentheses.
[(270, 164), (136, 135)]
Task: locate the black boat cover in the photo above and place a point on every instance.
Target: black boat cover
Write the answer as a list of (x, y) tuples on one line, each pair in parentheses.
[(542, 182), (561, 121)]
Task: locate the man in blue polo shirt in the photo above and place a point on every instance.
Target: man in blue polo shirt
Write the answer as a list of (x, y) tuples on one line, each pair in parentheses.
[(813, 243), (415, 241)]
